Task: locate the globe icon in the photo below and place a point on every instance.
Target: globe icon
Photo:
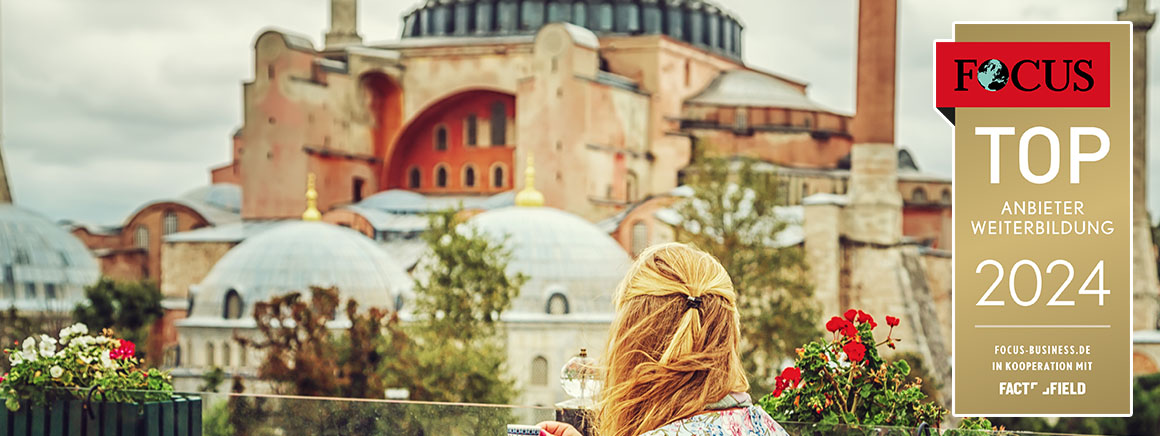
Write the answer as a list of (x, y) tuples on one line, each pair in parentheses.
[(993, 75)]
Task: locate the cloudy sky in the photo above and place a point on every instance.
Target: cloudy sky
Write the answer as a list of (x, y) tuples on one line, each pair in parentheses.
[(110, 104)]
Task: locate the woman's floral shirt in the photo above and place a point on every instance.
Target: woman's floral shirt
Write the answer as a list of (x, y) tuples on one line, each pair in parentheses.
[(740, 421)]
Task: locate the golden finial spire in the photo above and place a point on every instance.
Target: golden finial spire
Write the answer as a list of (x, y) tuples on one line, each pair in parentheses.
[(312, 213), (529, 196)]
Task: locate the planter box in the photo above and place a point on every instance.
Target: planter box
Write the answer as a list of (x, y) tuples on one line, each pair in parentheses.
[(176, 417)]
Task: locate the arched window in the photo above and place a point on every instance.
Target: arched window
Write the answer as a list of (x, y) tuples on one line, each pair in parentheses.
[(169, 223), (639, 237), (469, 176), (497, 176), (498, 123), (440, 138), (233, 305), (141, 237), (471, 130), (441, 176), (226, 354), (946, 195), (414, 178), (539, 371), (558, 305), (210, 362), (918, 195)]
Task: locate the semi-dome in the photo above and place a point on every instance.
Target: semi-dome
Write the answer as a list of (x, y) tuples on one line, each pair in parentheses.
[(224, 196), (697, 22), (44, 267), (293, 257), (572, 266)]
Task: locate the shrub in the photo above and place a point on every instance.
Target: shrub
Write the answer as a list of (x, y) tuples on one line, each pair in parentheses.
[(44, 367), (844, 380)]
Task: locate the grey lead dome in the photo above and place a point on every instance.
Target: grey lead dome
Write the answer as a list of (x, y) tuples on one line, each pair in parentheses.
[(294, 256), (696, 22), (42, 266)]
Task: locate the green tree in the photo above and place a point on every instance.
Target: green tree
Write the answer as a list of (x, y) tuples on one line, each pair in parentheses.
[(129, 308), (460, 290), (732, 214)]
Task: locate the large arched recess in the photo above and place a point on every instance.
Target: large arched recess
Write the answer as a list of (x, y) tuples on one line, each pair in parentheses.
[(447, 122), (384, 100)]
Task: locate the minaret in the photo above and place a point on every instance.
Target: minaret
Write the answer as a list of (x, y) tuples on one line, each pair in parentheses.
[(311, 213), (1147, 288), (343, 24), (5, 194), (875, 212)]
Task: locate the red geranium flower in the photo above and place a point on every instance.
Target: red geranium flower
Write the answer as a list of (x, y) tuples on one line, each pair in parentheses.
[(891, 321), (835, 324), (849, 330), (792, 374), (125, 351), (854, 351), (851, 315), (864, 317), (781, 384)]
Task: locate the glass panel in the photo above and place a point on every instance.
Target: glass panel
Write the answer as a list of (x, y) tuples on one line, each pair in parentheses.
[(50, 291), (559, 12), (30, 291), (580, 14), (627, 18), (675, 27), (696, 27), (442, 20), (463, 19), (604, 18), (483, 18), (714, 31), (652, 19), (508, 11), (532, 15)]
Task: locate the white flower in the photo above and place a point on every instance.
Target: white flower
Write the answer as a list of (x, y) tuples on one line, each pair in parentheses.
[(56, 372), (107, 361), (30, 349), (446, 239), (47, 346), (16, 358), (80, 329)]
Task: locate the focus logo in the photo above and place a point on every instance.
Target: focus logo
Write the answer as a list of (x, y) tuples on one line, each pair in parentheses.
[(1022, 74)]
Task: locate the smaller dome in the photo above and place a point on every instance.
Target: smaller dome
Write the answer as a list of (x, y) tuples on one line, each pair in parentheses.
[(560, 253), (42, 266), (295, 256), (397, 201), (224, 196)]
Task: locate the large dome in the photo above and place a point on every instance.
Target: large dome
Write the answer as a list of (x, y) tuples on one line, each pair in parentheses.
[(44, 267), (571, 264), (293, 257), (697, 22)]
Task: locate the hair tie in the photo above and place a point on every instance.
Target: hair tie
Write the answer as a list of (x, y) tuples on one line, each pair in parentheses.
[(693, 303)]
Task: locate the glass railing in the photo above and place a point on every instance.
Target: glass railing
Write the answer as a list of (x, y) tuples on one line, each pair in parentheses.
[(220, 414)]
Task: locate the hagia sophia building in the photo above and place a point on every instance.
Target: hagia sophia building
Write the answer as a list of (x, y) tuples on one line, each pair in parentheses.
[(562, 125)]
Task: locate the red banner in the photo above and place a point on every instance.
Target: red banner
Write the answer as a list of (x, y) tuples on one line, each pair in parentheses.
[(1022, 74)]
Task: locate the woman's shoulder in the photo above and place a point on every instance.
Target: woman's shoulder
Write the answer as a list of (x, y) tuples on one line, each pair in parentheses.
[(741, 421)]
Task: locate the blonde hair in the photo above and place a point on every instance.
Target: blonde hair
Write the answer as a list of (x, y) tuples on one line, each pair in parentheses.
[(669, 356)]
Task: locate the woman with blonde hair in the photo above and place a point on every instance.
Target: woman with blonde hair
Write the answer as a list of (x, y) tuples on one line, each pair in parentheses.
[(672, 367)]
